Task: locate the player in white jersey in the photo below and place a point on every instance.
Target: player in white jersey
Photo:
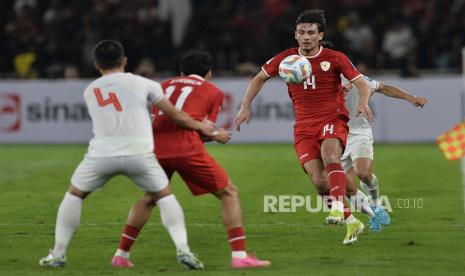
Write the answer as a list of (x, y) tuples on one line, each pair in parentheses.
[(358, 155), (118, 104)]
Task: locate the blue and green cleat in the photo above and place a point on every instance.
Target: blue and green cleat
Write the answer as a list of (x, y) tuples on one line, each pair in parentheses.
[(375, 225), (382, 215)]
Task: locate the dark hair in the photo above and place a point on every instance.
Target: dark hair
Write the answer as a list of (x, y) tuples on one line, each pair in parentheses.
[(313, 16), (109, 54), (196, 62)]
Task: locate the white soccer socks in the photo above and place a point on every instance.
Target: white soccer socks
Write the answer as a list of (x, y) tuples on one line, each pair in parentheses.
[(372, 189), (68, 217), (360, 202), (172, 218)]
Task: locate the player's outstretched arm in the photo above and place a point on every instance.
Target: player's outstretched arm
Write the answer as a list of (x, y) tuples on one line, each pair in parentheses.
[(363, 107), (395, 92), (244, 114), (183, 119), (221, 136)]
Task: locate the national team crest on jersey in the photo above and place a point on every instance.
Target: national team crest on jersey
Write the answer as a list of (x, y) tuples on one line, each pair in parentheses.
[(325, 65)]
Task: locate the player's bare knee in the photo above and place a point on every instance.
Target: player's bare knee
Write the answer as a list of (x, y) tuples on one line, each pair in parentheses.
[(148, 200), (331, 158), (365, 176), (232, 190), (155, 196)]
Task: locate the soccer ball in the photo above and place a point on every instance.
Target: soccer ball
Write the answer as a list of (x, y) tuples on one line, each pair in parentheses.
[(295, 69)]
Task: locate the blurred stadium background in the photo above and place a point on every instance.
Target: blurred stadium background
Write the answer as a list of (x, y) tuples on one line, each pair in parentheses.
[(46, 62), (54, 38)]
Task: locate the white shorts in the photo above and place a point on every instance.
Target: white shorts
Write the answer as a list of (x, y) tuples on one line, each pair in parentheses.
[(358, 146), (93, 172)]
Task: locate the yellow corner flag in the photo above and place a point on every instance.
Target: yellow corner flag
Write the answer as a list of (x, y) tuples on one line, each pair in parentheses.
[(452, 142)]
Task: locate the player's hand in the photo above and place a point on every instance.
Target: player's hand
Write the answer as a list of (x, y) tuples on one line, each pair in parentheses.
[(419, 101), (346, 88), (222, 136), (365, 110), (243, 115)]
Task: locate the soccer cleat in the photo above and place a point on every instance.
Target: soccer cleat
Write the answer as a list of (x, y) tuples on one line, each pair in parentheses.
[(249, 261), (189, 260), (121, 262), (375, 225), (382, 215), (335, 217), (353, 230), (52, 261)]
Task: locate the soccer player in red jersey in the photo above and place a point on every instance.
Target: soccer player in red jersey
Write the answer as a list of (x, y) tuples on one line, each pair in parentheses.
[(180, 150), (320, 130)]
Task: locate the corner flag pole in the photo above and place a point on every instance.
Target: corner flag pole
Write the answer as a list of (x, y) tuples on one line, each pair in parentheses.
[(463, 116)]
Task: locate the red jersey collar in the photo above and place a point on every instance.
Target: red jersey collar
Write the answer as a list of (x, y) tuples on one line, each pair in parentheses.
[(314, 56)]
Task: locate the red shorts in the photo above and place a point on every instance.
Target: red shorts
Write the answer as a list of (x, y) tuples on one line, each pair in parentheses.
[(201, 172), (307, 140)]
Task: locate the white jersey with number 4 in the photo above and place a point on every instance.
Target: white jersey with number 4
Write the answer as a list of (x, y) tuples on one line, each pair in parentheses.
[(118, 104), (359, 125)]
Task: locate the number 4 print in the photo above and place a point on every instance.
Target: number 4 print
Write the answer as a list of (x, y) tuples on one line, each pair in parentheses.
[(328, 128), (310, 82), (112, 99)]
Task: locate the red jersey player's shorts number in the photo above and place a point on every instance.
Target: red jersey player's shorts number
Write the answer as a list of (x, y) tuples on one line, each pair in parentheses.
[(112, 99), (328, 129), (185, 91), (310, 82)]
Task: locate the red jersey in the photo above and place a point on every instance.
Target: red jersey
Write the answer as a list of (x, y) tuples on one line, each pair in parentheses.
[(320, 98), (198, 98)]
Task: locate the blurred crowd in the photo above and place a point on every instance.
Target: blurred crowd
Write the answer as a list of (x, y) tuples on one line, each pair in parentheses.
[(54, 38)]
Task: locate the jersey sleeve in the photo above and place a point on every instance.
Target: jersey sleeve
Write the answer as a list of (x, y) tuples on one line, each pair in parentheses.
[(271, 67), (155, 91), (216, 106), (347, 69)]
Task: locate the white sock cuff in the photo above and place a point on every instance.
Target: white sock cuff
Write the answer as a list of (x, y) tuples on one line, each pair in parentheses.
[(164, 199), (70, 196), (122, 253)]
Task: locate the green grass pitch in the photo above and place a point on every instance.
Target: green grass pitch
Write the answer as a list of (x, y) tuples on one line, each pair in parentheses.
[(420, 241)]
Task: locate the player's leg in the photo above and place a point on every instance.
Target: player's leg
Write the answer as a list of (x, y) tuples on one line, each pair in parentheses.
[(309, 153), (91, 174), (369, 183), (360, 201), (138, 216), (232, 220), (148, 175), (357, 198), (315, 170), (331, 152), (203, 174), (333, 137)]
